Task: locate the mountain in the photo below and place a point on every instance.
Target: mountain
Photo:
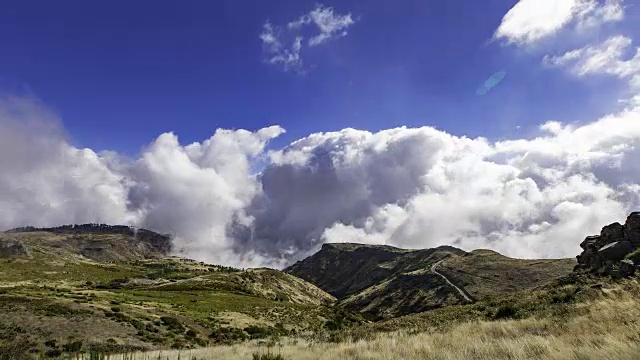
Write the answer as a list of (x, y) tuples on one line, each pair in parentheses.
[(97, 242), (384, 281), (113, 288)]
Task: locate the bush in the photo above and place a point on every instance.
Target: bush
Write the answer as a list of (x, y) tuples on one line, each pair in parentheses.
[(53, 353), (178, 344), (227, 334), (151, 328), (72, 347), (257, 332), (505, 311), (172, 323), (139, 325)]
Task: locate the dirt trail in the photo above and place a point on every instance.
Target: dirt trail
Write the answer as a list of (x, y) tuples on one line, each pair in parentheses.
[(462, 291)]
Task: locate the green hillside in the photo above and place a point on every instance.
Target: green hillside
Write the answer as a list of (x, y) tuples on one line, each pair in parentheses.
[(125, 293)]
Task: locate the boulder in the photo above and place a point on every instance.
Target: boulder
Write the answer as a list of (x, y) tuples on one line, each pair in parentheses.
[(626, 268), (611, 233), (589, 241), (587, 256), (632, 229), (616, 251)]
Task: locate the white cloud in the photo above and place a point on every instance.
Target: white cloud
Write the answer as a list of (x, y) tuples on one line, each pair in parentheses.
[(46, 181), (411, 187), (193, 191), (532, 20), (288, 57), (594, 16), (423, 188), (328, 23), (607, 57)]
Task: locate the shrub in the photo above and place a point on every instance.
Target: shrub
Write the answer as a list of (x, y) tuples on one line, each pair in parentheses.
[(227, 334), (505, 311), (172, 323), (178, 344), (257, 332), (139, 325), (267, 356), (72, 347), (53, 353)]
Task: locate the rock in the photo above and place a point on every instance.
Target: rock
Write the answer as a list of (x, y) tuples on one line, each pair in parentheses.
[(587, 256), (616, 251), (626, 268), (10, 247), (614, 273), (589, 241), (632, 229), (579, 267), (611, 233)]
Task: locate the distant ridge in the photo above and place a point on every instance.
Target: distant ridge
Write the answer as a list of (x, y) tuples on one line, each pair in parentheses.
[(384, 281), (121, 241)]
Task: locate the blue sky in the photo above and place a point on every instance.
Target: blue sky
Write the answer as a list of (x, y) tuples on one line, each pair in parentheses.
[(121, 73), (550, 154)]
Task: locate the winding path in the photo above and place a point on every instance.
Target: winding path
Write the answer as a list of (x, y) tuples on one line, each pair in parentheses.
[(462, 291)]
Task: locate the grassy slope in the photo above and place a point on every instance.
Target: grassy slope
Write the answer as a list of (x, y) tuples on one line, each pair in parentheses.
[(485, 273), (56, 294), (593, 324), (59, 295)]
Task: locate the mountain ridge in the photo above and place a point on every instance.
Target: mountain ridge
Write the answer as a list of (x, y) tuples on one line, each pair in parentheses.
[(383, 281)]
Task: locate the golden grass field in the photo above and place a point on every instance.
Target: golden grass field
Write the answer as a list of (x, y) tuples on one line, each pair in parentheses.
[(605, 327)]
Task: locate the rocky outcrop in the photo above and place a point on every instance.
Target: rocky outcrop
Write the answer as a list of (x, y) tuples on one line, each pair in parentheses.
[(10, 247), (615, 252)]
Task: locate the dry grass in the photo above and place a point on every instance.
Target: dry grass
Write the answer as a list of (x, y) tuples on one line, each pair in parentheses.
[(608, 327)]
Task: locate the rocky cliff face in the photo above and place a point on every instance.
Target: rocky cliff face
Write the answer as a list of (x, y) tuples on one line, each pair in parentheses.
[(615, 252)]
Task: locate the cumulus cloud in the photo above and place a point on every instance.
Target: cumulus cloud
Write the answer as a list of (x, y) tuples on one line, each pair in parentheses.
[(283, 44), (607, 57), (530, 21), (46, 181), (423, 188), (192, 191), (409, 187)]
